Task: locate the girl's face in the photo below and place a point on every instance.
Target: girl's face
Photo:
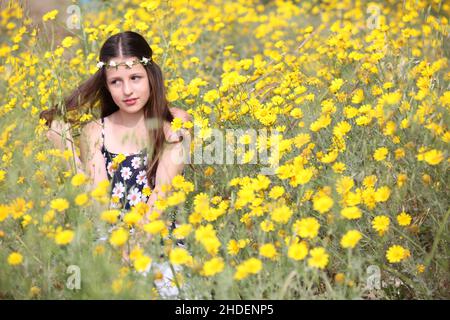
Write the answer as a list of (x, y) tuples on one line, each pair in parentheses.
[(129, 87)]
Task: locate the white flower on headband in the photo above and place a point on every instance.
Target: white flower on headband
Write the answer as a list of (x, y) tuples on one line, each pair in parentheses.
[(129, 64), (112, 64), (144, 60), (100, 64)]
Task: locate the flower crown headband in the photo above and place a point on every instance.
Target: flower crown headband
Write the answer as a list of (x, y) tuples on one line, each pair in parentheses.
[(129, 64)]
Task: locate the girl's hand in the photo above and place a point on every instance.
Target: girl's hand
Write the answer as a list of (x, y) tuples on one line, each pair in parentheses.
[(55, 134), (180, 113)]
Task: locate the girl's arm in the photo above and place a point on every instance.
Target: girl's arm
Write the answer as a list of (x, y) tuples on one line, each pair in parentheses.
[(90, 152), (170, 164), (59, 134)]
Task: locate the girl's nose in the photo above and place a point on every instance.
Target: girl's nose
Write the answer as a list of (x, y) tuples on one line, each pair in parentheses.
[(127, 89)]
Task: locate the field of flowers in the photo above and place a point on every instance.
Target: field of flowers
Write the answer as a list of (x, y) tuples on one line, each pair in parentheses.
[(357, 202)]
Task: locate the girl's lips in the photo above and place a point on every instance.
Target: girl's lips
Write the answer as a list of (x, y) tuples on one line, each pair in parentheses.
[(130, 102)]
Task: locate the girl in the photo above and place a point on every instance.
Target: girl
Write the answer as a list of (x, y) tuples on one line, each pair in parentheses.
[(132, 144)]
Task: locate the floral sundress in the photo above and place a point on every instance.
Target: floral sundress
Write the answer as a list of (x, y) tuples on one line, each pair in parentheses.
[(129, 183)]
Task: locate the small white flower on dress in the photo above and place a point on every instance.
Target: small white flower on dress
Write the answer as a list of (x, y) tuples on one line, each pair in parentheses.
[(134, 196), (141, 177), (145, 161), (136, 162), (118, 190), (126, 173)]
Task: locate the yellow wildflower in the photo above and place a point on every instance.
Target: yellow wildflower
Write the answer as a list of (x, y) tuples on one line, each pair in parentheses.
[(396, 254), (119, 237), (15, 259), (350, 239), (433, 157), (323, 203), (59, 204), (351, 213), (307, 227), (249, 266), (142, 263), (404, 219), (336, 84), (64, 237), (79, 179), (179, 256), (51, 15), (380, 154), (268, 250), (319, 258), (155, 227), (81, 199), (213, 267), (381, 224), (281, 214), (110, 216), (298, 251)]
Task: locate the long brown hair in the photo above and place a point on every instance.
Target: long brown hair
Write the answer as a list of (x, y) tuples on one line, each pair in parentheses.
[(156, 110)]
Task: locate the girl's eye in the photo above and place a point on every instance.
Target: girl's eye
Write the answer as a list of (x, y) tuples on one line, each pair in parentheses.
[(115, 82)]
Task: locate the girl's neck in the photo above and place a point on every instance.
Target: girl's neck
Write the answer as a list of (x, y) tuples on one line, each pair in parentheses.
[(130, 120)]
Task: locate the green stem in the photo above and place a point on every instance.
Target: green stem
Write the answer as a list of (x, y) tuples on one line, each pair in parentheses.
[(175, 279), (28, 249), (437, 239)]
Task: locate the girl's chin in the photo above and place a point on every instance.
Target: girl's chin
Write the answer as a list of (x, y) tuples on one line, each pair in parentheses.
[(131, 109)]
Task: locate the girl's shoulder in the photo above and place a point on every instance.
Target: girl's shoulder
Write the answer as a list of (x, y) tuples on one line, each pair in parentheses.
[(93, 126), (92, 130)]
